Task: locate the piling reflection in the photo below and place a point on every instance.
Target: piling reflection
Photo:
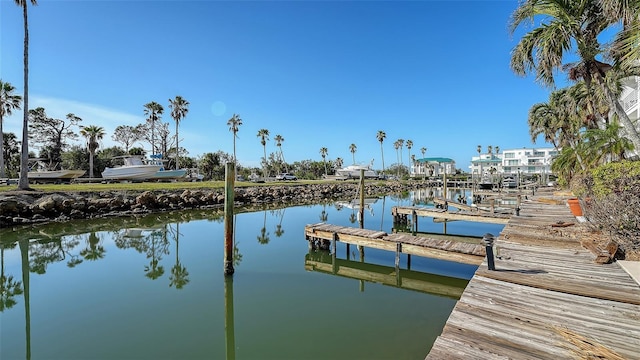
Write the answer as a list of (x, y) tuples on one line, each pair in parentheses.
[(326, 261)]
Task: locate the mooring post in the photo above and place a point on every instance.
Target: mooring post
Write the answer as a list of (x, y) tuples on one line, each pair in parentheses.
[(488, 239), (414, 218), (492, 205), (361, 211), (228, 217), (519, 199)]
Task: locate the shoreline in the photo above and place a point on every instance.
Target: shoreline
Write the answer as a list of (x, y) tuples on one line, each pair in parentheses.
[(31, 207)]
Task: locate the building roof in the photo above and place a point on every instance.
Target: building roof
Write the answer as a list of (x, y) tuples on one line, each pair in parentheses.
[(436, 159)]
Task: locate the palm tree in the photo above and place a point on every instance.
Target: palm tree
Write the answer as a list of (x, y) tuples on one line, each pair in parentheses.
[(339, 161), (353, 148), (396, 145), (423, 150), (409, 146), (93, 134), (497, 150), (234, 126), (23, 183), (8, 103), (400, 146), (323, 152), (279, 139), (490, 150), (153, 110), (179, 274), (381, 136), (179, 109), (566, 23), (263, 134)]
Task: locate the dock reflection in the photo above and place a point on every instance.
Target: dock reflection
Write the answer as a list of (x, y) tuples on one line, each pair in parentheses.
[(325, 262)]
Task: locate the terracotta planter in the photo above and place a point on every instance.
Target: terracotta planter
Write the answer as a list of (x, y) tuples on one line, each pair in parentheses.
[(574, 206)]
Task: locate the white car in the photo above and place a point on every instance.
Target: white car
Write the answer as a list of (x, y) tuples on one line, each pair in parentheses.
[(286, 176)]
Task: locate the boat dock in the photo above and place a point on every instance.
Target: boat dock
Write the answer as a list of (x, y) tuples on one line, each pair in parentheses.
[(322, 235), (547, 298), (401, 213)]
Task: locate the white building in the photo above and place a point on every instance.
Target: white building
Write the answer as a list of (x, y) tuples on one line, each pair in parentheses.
[(525, 161), (630, 101), (433, 166)]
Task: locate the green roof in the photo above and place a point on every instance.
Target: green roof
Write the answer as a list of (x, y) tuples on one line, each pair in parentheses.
[(436, 159)]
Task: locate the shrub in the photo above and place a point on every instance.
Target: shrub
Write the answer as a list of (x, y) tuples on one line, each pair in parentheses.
[(611, 202)]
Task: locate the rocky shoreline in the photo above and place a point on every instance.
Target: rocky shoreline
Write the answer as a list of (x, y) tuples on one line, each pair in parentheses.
[(28, 207)]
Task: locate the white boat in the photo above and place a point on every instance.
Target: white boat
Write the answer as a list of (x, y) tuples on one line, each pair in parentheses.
[(134, 168), (509, 183), (353, 172), (38, 172), (164, 174)]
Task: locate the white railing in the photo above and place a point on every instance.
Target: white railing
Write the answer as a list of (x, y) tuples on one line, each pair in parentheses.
[(629, 101)]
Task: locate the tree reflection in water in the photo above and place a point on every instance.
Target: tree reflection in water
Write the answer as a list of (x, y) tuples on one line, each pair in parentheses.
[(179, 274), (263, 238), (95, 250), (8, 286)]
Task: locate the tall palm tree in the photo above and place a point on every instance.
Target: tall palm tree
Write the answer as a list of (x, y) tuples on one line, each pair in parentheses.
[(339, 162), (409, 146), (279, 139), (323, 152), (423, 150), (153, 110), (497, 150), (93, 134), (381, 136), (396, 145), (490, 150), (234, 124), (400, 145), (8, 103), (179, 109), (353, 148), (263, 134), (566, 23), (23, 183)]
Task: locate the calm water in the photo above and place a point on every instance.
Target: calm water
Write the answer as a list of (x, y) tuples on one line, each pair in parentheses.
[(153, 288)]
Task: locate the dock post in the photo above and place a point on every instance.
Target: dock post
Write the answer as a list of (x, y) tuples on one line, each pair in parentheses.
[(519, 199), (414, 219), (488, 239), (492, 205), (361, 210), (228, 218)]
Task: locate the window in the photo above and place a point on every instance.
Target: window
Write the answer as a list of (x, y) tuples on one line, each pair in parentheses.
[(509, 155)]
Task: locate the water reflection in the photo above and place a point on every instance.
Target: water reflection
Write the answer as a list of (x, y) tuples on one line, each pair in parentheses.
[(108, 264), (325, 261)]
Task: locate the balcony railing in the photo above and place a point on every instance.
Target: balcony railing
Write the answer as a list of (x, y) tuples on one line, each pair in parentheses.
[(629, 101)]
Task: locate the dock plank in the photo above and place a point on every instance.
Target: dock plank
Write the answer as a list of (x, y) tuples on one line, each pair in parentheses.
[(547, 298)]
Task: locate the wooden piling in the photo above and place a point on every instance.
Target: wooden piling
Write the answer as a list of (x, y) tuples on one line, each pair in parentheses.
[(361, 210), (228, 217)]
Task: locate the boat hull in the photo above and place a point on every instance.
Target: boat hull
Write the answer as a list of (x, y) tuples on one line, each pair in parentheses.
[(169, 174), (136, 172), (55, 175)]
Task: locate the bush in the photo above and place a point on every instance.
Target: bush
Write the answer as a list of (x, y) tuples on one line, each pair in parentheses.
[(611, 202)]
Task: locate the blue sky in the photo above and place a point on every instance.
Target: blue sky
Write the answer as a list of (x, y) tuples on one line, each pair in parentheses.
[(319, 73)]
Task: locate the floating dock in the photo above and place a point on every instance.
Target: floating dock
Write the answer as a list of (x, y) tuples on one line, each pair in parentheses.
[(547, 298)]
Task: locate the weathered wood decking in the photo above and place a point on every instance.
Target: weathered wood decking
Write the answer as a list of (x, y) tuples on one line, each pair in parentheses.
[(475, 216), (547, 299), (404, 243)]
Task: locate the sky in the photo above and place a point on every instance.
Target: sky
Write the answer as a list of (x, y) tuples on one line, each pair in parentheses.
[(318, 73)]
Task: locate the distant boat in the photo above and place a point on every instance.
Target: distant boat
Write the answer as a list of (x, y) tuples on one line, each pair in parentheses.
[(162, 173), (38, 172), (353, 172), (134, 168), (509, 183)]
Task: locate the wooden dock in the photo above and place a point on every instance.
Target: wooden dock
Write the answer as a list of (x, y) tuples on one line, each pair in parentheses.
[(400, 214), (547, 298), (400, 243)]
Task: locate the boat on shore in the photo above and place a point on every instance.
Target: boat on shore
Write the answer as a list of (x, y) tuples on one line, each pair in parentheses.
[(353, 172), (39, 172), (133, 169), (163, 174)]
